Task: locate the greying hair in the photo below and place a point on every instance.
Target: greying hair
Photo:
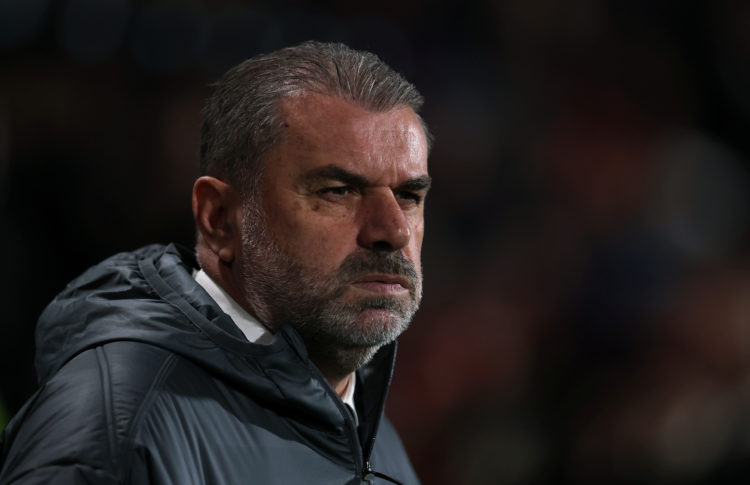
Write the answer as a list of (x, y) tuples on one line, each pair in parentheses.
[(242, 120)]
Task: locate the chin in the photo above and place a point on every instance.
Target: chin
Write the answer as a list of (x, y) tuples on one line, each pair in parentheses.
[(380, 327)]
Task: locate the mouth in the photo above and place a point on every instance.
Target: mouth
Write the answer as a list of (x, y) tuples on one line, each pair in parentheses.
[(384, 284)]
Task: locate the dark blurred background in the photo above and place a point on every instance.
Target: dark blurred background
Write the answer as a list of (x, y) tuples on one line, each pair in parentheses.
[(587, 297)]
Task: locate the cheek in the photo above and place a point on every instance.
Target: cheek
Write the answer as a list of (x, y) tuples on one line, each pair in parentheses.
[(324, 250), (415, 256), (414, 249), (315, 241)]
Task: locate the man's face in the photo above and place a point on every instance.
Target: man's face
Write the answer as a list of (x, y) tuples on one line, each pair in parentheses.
[(332, 244)]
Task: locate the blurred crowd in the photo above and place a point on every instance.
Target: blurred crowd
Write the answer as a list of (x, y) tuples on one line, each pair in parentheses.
[(587, 261)]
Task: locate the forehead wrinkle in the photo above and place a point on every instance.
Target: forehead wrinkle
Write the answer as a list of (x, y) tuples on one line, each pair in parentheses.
[(368, 145), (361, 142), (313, 123)]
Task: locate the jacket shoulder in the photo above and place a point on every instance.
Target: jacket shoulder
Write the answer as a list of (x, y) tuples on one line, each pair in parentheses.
[(75, 428)]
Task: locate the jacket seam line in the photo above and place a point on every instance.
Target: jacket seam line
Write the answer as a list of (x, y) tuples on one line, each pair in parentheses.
[(107, 473), (107, 404), (142, 411)]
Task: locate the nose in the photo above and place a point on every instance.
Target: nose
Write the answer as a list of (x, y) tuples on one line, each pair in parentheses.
[(384, 226)]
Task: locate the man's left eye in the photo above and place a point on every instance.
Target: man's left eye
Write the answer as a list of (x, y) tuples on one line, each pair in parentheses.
[(409, 196), (341, 190)]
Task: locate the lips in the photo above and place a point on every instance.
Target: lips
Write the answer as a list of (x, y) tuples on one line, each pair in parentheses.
[(384, 283)]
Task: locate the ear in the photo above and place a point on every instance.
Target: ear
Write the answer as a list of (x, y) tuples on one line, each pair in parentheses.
[(217, 209)]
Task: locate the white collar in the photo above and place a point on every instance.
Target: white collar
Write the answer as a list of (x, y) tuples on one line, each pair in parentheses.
[(253, 330)]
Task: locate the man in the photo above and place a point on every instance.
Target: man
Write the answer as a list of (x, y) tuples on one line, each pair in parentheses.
[(268, 359)]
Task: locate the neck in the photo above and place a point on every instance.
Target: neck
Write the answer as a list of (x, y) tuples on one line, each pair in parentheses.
[(337, 365), (341, 385)]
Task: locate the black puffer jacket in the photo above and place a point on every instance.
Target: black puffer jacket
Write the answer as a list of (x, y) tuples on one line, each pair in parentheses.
[(144, 380)]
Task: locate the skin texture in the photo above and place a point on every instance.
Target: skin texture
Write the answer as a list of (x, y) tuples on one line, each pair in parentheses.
[(332, 243)]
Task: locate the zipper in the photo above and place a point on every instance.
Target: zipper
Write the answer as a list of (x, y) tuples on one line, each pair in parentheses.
[(358, 449), (368, 475), (366, 452), (361, 453), (367, 472)]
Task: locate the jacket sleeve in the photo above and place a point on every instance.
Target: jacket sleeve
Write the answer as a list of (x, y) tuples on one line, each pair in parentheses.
[(63, 433)]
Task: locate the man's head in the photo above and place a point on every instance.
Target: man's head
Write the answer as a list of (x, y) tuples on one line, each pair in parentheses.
[(242, 118), (311, 208)]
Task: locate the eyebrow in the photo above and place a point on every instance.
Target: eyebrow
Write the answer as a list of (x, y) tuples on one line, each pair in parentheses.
[(334, 172), (423, 182)]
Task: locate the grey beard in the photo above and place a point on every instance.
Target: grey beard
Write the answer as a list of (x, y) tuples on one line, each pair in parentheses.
[(338, 344), (338, 339)]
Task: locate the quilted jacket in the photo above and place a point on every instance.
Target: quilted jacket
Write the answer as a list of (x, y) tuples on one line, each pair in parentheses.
[(144, 380)]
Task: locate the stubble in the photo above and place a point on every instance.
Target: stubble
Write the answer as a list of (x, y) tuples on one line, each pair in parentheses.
[(340, 334)]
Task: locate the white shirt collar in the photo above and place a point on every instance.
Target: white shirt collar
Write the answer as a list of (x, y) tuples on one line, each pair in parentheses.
[(253, 330)]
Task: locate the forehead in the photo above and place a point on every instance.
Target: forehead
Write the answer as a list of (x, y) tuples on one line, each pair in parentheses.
[(325, 129)]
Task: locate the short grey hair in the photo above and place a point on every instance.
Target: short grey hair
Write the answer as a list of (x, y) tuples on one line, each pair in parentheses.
[(242, 119)]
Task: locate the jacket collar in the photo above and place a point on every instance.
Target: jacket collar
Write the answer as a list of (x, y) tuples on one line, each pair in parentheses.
[(150, 296), (285, 361)]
